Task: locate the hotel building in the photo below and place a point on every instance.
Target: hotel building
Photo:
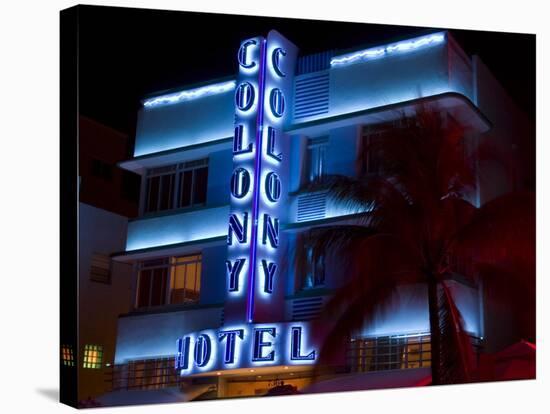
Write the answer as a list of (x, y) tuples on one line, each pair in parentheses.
[(219, 306)]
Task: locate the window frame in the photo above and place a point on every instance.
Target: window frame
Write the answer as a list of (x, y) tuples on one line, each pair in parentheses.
[(306, 240), (174, 265), (67, 355), (90, 361), (311, 270), (176, 173), (390, 352), (170, 264), (192, 166), (320, 145), (160, 172)]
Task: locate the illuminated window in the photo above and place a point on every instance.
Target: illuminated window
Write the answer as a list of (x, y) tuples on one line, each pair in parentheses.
[(390, 352), (93, 355), (67, 355), (172, 280), (100, 270), (316, 158), (176, 186), (185, 280)]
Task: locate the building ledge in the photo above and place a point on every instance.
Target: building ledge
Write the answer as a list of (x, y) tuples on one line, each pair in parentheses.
[(170, 309), (141, 163), (460, 106), (168, 249)]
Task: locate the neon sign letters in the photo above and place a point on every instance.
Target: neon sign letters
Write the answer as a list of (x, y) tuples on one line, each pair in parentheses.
[(264, 86), (254, 285), (250, 345)]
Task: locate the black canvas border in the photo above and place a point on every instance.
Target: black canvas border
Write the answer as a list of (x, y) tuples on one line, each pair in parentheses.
[(69, 202)]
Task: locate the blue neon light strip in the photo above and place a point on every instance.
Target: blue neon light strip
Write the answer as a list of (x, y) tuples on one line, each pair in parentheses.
[(255, 205), (382, 51), (190, 94)]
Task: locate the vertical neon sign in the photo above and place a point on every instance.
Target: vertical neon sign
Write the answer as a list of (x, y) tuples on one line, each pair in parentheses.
[(262, 96), (253, 334)]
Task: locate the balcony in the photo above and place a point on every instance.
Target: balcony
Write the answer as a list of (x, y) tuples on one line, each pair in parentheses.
[(153, 334), (177, 228)]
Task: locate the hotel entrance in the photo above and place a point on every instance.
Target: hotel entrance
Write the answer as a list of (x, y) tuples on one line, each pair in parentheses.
[(264, 385), (281, 380)]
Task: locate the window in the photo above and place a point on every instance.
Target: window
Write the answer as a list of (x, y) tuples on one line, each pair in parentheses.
[(101, 268), (316, 158), (177, 186), (102, 169), (193, 178), (93, 355), (390, 352), (146, 374), (67, 355), (153, 276), (312, 269), (169, 281), (315, 271), (371, 159), (371, 164), (185, 280), (371, 156), (160, 189)]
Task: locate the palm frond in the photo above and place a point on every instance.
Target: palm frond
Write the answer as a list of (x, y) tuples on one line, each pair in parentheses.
[(456, 352), (502, 229), (385, 264)]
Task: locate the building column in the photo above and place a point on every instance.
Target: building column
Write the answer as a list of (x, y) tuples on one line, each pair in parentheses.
[(221, 386)]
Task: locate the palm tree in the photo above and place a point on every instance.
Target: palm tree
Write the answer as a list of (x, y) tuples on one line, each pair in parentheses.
[(422, 224)]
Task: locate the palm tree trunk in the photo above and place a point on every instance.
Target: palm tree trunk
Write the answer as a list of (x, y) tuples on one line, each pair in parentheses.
[(435, 333)]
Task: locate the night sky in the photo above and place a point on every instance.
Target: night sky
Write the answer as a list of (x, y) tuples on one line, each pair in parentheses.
[(126, 54)]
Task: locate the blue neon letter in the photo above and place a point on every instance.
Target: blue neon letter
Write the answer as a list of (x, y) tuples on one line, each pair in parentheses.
[(276, 61), (271, 231), (244, 96), (203, 349), (260, 344), (235, 226), (240, 182), (272, 186), (230, 337), (233, 272), (277, 102), (182, 357), (269, 271), (296, 343), (242, 56), (270, 150), (238, 141)]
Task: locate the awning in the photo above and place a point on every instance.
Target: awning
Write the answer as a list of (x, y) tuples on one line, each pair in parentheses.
[(414, 377), (159, 396)]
